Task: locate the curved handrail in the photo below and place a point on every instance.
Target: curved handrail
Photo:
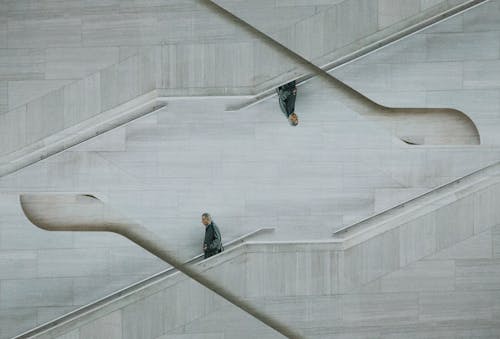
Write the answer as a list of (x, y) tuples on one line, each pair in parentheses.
[(365, 50), (417, 200), (468, 179), (390, 117), (81, 213), (33, 152), (130, 289)]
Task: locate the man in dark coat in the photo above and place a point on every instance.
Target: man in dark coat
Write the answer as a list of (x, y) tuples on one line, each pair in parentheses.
[(213, 240), (287, 95)]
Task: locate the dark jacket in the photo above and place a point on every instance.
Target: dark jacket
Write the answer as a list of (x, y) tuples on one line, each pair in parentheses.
[(213, 240), (287, 95)]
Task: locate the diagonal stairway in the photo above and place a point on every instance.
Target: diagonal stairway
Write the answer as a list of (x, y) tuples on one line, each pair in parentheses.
[(118, 159), (365, 270), (56, 129)]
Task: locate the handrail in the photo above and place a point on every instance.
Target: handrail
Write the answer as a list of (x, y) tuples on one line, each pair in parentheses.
[(43, 149), (365, 50), (149, 104), (360, 103), (158, 276), (418, 199), (129, 289), (466, 179)]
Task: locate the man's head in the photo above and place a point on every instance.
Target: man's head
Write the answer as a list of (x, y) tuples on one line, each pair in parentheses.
[(293, 119), (206, 219)]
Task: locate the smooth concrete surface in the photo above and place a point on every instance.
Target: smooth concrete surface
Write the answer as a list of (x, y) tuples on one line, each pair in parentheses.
[(47, 41), (377, 288), (333, 28), (453, 64), (79, 101), (307, 182), (86, 213), (219, 60), (41, 120), (150, 170), (44, 42)]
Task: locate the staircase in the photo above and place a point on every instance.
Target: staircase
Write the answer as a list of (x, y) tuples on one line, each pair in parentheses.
[(99, 103), (416, 268), (138, 127)]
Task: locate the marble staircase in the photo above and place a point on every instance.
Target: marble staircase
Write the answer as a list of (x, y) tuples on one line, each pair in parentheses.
[(429, 268), (250, 169)]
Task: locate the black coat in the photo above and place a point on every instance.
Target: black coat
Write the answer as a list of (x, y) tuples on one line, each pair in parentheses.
[(287, 95), (213, 240)]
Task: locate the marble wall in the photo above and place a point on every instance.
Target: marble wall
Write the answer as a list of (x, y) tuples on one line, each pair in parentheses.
[(74, 103), (49, 45), (249, 168), (165, 169), (436, 274), (172, 67), (453, 64), (332, 28)]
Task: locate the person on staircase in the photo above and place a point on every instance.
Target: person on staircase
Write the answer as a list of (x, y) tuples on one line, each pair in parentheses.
[(287, 95), (212, 244)]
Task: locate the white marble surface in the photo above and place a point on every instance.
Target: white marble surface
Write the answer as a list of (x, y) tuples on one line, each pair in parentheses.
[(45, 118), (151, 171), (175, 67), (449, 290), (164, 174), (250, 169), (454, 289), (462, 52), (69, 40), (323, 31)]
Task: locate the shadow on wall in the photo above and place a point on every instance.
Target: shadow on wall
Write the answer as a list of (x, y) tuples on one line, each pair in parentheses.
[(86, 213), (427, 126), (414, 126)]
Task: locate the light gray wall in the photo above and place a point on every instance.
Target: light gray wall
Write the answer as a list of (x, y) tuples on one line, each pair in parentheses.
[(172, 67), (47, 44), (209, 55), (453, 64), (449, 294), (432, 273), (165, 169), (74, 103), (334, 169), (326, 30)]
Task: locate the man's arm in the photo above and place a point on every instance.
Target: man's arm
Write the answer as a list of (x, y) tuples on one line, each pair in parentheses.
[(216, 241), (209, 234)]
